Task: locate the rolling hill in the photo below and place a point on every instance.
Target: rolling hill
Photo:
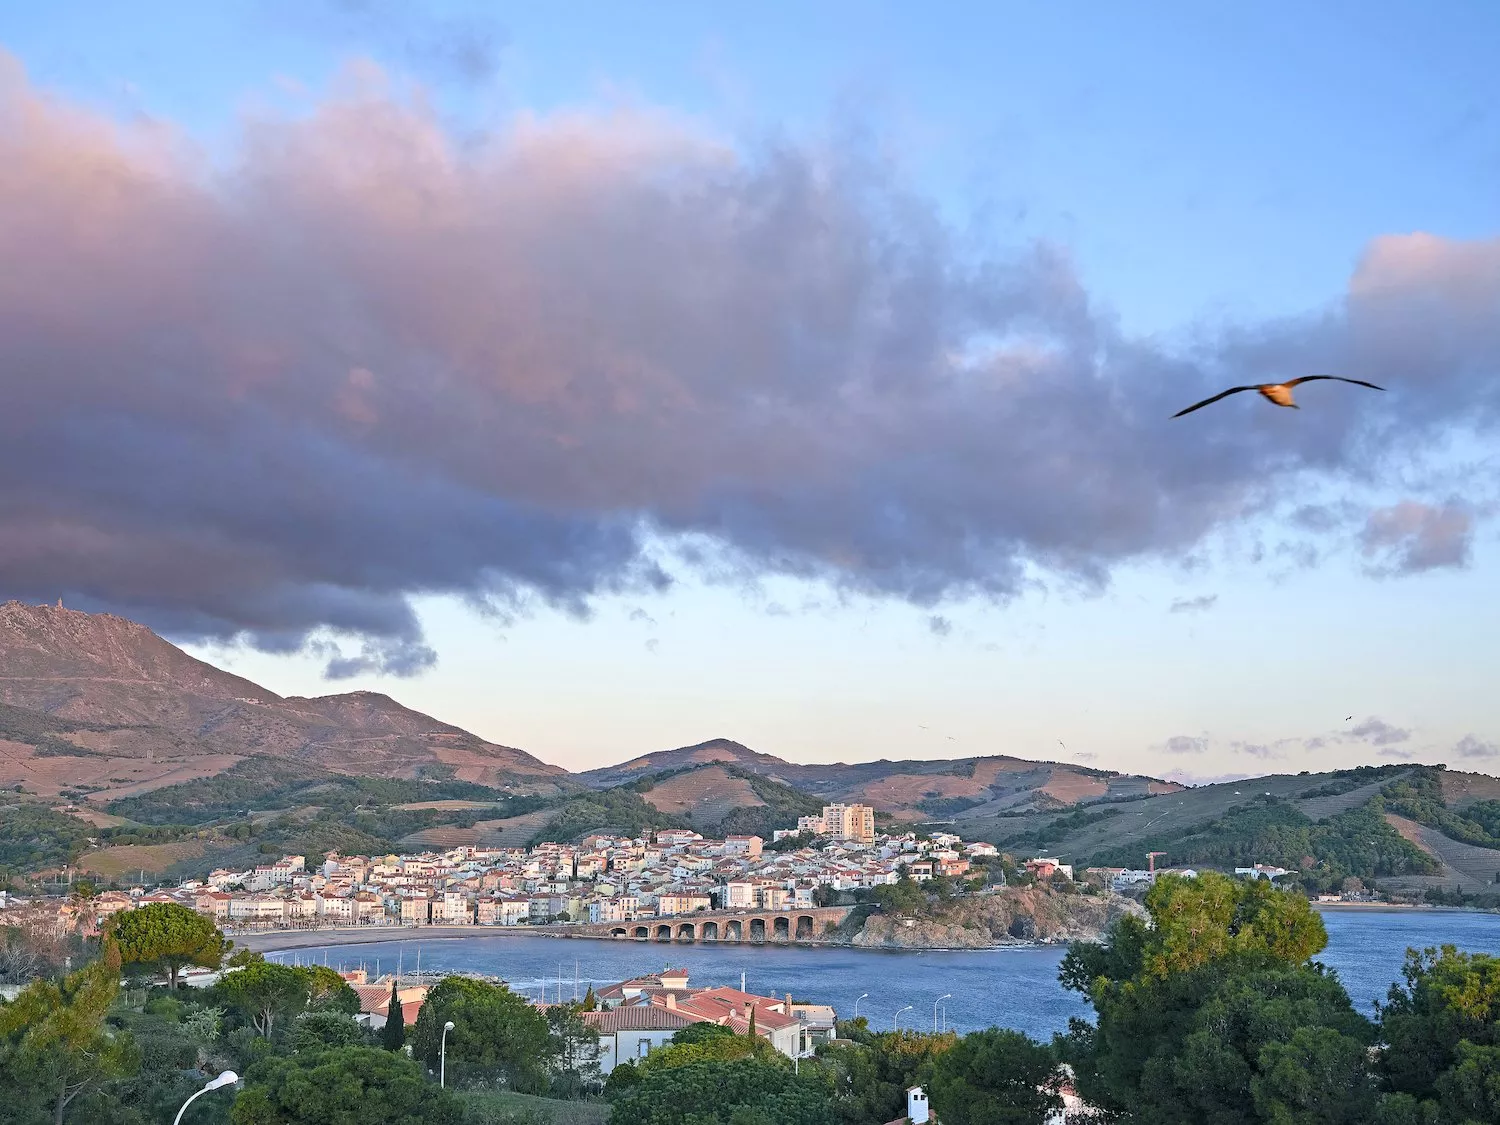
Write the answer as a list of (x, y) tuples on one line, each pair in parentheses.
[(942, 790), (100, 703), (175, 762)]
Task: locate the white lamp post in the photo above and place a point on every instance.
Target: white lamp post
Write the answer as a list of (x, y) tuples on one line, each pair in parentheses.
[(897, 1016), (935, 1003), (443, 1055), (865, 996), (228, 1078)]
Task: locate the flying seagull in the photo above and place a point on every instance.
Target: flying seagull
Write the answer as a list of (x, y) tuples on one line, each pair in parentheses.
[(1278, 393)]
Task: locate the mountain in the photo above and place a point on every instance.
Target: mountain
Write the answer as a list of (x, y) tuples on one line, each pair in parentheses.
[(949, 789), (100, 702)]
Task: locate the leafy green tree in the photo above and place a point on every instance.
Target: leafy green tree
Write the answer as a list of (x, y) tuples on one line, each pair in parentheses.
[(327, 991), (1213, 1013), (393, 1034), (264, 992), (869, 1079), (169, 936), (746, 1091), (575, 1048), (319, 1030), (1442, 1035), (724, 1047), (55, 1046), (995, 1077), (496, 1034), (343, 1086), (904, 896)]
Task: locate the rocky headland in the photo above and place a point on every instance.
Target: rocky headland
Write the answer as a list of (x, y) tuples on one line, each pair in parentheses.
[(1010, 916)]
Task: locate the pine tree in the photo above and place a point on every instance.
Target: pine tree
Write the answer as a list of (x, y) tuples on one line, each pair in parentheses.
[(393, 1034), (591, 1002), (751, 1031)]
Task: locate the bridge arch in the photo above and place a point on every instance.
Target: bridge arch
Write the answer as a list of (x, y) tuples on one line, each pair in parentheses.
[(734, 930), (781, 928), (664, 932), (757, 929), (642, 933), (804, 927), (710, 931), (686, 932), (619, 932)]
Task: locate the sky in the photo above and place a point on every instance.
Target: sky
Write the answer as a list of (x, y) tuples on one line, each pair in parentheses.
[(605, 380)]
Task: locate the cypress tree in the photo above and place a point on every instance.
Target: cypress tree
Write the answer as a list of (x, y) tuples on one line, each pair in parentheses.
[(393, 1034)]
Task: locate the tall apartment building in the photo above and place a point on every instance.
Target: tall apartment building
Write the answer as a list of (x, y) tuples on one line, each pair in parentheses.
[(849, 822)]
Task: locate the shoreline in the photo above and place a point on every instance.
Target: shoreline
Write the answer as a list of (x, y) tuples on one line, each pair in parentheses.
[(286, 941), (277, 941)]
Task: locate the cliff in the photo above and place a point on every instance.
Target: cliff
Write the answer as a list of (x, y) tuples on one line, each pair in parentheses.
[(1011, 916)]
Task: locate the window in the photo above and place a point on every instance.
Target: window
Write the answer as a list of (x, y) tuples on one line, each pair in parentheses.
[(643, 1048)]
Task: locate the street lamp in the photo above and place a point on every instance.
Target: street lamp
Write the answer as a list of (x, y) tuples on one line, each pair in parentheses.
[(443, 1054), (228, 1078), (935, 1003), (897, 1016), (866, 996)]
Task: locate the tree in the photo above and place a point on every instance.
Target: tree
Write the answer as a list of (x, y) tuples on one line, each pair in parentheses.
[(710, 1044), (1442, 1034), (264, 992), (1212, 1012), (995, 1077), (342, 1086), (590, 1001), (393, 1034), (743, 1092), (575, 1048), (169, 936), (316, 1031), (54, 1044), (869, 1079), (327, 991), (496, 1034)]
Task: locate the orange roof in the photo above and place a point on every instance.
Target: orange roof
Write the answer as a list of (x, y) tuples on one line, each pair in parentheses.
[(639, 1018)]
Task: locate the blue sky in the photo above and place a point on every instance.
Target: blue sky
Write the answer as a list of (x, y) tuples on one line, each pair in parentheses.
[(1201, 166)]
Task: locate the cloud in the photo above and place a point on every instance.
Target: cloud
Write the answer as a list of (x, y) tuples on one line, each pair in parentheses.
[(1258, 749), (1411, 537), (1401, 754), (1200, 604), (939, 625), (652, 645), (465, 48), (1471, 746), (1377, 732), (639, 614), (1186, 744), (275, 398)]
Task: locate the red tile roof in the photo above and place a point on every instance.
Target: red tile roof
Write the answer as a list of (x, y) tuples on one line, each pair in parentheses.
[(636, 1018)]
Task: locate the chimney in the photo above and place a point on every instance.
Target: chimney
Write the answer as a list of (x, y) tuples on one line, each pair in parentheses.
[(672, 1001), (788, 1004)]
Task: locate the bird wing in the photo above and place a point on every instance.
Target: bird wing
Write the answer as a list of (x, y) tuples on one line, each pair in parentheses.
[(1216, 398), (1338, 378)]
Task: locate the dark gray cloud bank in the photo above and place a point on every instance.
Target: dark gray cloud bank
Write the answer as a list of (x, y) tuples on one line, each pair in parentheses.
[(364, 363)]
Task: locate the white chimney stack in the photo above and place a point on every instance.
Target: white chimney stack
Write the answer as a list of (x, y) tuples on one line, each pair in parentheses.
[(916, 1105)]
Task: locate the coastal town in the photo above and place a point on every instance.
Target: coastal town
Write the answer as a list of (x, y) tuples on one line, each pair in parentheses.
[(600, 879), (604, 879)]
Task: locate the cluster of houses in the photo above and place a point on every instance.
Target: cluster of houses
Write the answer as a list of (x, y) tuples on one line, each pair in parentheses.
[(601, 879)]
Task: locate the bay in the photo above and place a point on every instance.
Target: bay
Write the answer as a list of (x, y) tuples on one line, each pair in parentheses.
[(1014, 987)]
